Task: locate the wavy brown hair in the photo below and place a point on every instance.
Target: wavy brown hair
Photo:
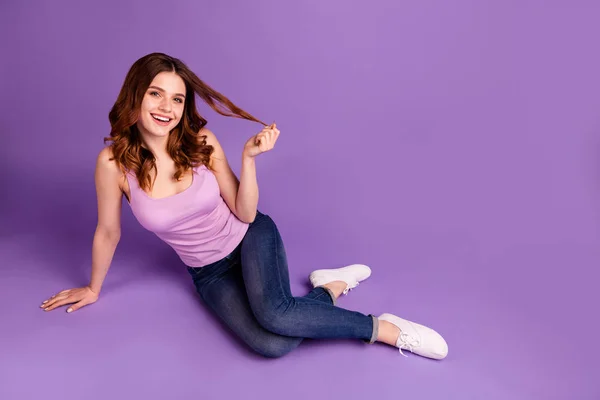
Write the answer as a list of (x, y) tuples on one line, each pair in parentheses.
[(185, 145)]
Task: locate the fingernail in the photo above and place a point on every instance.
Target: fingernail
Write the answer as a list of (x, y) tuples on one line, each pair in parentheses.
[(69, 310), (46, 309), (44, 302)]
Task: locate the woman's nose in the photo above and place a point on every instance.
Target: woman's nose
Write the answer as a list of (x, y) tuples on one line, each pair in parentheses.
[(165, 105)]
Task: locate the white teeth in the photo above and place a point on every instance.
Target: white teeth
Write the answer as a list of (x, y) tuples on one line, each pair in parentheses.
[(161, 118)]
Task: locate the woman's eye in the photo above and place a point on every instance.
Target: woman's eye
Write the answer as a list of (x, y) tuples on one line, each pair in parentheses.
[(156, 94)]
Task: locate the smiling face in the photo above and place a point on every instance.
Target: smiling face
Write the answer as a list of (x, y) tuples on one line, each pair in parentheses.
[(162, 105)]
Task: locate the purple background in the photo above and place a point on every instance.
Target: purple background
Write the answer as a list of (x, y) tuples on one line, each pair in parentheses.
[(452, 146)]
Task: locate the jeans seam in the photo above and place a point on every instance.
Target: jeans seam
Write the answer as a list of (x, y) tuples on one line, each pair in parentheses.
[(277, 257)]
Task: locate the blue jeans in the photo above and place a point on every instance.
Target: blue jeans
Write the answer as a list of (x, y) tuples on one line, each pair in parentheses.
[(249, 290)]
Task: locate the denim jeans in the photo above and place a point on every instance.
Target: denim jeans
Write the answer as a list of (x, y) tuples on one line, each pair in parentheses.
[(249, 290)]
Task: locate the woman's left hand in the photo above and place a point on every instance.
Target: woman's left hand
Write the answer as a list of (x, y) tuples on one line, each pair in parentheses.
[(262, 141)]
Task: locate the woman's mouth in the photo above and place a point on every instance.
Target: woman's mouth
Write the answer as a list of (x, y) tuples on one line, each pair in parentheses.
[(160, 120)]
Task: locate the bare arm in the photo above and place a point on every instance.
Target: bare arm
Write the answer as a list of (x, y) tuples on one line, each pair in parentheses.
[(241, 196), (247, 198), (108, 230), (106, 237), (231, 190)]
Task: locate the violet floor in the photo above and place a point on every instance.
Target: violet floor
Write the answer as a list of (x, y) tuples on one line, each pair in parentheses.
[(511, 334)]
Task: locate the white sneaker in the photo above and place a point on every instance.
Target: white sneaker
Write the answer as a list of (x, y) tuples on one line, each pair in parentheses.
[(352, 275), (417, 338)]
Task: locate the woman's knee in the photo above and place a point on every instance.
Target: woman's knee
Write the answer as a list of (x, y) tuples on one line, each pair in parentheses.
[(262, 225), (261, 218), (272, 346)]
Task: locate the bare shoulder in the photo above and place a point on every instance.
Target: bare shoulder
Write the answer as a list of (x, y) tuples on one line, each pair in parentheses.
[(211, 138), (106, 168), (105, 162), (218, 154)]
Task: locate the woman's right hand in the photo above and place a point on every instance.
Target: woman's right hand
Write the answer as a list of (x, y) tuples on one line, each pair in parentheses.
[(79, 297)]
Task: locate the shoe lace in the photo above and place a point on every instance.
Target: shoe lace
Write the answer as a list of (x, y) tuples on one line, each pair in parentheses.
[(348, 288), (407, 342)]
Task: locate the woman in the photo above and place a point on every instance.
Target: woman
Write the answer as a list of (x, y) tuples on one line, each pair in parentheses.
[(179, 185)]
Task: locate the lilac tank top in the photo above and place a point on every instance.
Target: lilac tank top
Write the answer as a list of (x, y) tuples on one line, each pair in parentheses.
[(196, 223)]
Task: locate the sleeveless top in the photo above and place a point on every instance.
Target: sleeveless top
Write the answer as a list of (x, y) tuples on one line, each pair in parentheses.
[(196, 223)]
